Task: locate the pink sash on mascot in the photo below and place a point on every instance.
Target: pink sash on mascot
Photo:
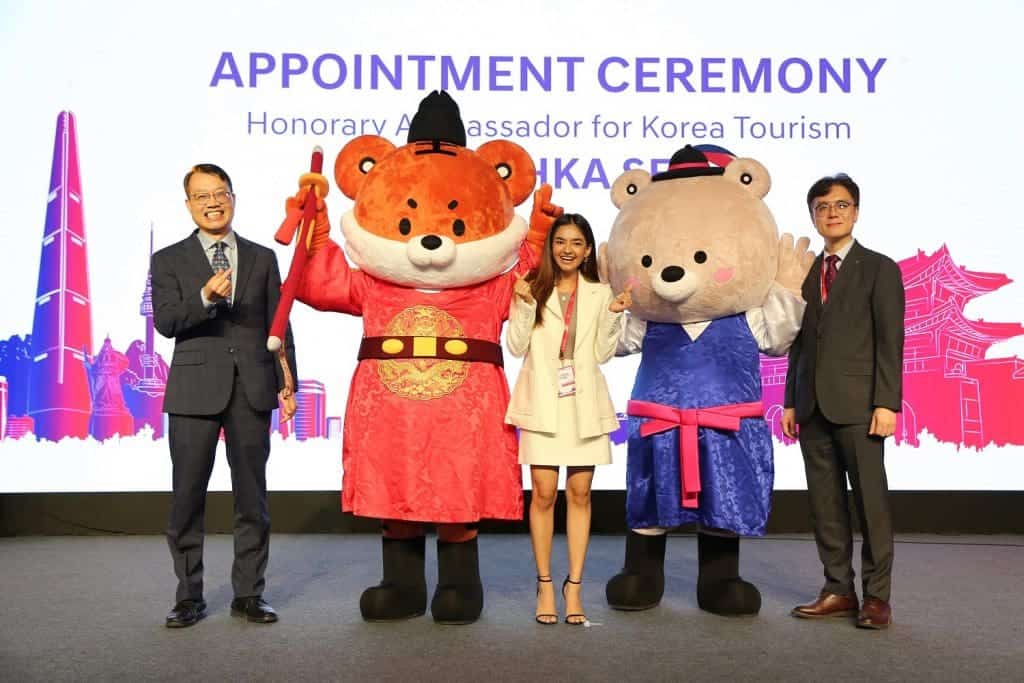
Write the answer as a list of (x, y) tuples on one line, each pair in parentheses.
[(664, 418)]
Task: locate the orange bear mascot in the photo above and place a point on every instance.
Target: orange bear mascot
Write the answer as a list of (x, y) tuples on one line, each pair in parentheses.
[(438, 244)]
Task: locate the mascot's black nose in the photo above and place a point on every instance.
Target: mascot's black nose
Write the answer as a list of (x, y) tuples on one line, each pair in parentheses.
[(672, 274), (433, 242)]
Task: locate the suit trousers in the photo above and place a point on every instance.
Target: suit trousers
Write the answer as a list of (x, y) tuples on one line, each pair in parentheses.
[(833, 452), (193, 446)]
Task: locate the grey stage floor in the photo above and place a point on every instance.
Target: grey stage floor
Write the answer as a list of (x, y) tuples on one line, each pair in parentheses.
[(91, 608)]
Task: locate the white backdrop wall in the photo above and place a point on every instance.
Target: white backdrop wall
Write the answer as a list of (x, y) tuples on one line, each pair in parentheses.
[(927, 121)]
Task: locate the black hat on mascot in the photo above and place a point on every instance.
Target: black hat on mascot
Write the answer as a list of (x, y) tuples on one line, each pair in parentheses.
[(437, 120), (690, 162)]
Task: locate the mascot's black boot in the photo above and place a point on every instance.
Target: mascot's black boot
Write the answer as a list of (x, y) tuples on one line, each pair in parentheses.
[(402, 594), (641, 583), (720, 590), (459, 598)]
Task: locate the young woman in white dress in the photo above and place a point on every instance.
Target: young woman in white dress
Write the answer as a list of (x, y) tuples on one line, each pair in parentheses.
[(560, 402)]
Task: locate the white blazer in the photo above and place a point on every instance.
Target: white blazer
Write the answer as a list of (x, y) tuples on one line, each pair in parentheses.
[(534, 400)]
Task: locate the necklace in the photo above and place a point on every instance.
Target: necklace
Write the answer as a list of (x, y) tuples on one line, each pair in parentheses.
[(564, 296)]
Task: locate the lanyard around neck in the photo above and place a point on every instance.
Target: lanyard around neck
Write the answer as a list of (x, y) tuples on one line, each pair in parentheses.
[(568, 321)]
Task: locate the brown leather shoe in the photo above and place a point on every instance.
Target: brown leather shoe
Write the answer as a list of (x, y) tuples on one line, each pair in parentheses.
[(827, 605), (874, 613)]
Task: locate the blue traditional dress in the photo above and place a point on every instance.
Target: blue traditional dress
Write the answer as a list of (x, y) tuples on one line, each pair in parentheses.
[(720, 368)]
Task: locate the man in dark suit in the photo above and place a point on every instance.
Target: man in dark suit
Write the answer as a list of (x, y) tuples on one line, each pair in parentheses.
[(843, 389), (215, 294)]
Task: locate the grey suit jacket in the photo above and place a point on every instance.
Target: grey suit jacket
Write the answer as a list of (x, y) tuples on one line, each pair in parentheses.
[(848, 358), (209, 344)]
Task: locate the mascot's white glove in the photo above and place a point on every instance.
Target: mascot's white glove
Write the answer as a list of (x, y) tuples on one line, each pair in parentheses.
[(794, 262)]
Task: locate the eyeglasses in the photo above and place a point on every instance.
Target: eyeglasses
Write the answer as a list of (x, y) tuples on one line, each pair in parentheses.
[(824, 208), (218, 197)]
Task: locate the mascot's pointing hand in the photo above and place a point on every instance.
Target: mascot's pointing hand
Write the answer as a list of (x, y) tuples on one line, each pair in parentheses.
[(794, 262), (293, 207), (544, 212)]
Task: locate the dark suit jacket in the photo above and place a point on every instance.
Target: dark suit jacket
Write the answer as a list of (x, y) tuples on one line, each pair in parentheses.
[(848, 357), (208, 344)]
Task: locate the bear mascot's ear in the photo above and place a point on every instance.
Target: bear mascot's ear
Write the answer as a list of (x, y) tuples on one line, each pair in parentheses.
[(356, 159), (751, 175), (513, 165), (627, 185)]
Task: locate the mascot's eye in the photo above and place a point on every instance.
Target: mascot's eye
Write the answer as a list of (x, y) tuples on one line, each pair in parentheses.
[(452, 205), (412, 203), (646, 261), (631, 189), (404, 226), (700, 257), (746, 178), (458, 227), (365, 164), (504, 171)]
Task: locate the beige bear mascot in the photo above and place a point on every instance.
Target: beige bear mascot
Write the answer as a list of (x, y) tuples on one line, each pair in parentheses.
[(713, 286)]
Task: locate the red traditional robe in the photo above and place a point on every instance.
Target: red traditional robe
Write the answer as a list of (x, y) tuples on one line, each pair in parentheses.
[(425, 439)]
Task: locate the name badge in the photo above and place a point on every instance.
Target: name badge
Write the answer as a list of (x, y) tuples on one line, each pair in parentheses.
[(566, 381)]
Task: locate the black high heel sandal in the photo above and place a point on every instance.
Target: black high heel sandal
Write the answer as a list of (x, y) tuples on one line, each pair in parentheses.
[(543, 618), (570, 618)]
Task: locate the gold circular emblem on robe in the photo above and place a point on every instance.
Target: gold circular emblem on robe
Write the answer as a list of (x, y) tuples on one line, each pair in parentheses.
[(423, 379)]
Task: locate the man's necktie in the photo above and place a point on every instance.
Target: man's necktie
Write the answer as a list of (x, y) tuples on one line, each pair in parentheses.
[(220, 262), (831, 268)]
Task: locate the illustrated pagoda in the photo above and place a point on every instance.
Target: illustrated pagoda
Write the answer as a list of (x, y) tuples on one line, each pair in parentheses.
[(950, 389), (110, 415)]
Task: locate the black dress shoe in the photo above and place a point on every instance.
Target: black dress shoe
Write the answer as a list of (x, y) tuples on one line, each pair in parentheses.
[(254, 609), (186, 613)]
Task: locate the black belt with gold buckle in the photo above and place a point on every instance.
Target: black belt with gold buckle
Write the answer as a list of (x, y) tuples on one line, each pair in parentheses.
[(441, 348)]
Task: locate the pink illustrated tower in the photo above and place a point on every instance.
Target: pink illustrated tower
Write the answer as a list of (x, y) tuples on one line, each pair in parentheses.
[(146, 378), (59, 400)]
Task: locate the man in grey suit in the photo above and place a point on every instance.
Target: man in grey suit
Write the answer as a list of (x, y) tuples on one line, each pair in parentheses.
[(215, 294), (843, 389)]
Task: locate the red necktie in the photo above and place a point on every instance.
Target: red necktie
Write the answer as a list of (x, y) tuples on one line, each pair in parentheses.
[(831, 268)]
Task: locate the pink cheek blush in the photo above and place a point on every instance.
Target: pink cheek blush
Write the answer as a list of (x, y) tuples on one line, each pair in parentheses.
[(723, 275), (632, 281)]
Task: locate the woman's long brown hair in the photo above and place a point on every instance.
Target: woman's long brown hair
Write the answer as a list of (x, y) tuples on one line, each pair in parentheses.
[(542, 278)]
